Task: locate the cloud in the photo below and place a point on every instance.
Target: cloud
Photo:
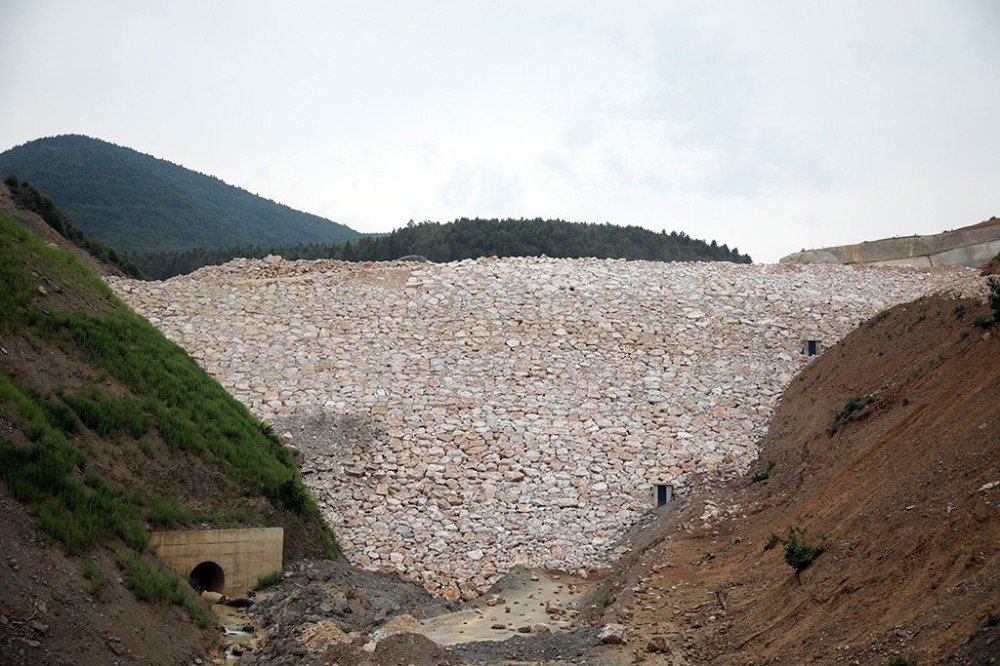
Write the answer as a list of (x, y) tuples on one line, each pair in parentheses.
[(770, 126)]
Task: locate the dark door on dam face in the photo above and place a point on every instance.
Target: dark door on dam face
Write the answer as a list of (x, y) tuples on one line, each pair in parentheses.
[(663, 492)]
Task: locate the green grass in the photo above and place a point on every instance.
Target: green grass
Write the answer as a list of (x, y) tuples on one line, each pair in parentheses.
[(22, 253), (167, 513), (44, 475), (109, 415), (270, 579), (165, 388), (98, 579), (149, 584), (191, 411), (154, 389)]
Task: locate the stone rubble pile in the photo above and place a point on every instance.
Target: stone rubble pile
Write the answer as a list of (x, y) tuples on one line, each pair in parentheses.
[(525, 407)]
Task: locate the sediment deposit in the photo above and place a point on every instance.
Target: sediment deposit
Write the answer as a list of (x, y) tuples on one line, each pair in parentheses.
[(518, 410)]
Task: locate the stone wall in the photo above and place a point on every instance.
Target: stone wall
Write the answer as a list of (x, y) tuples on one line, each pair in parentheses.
[(469, 416)]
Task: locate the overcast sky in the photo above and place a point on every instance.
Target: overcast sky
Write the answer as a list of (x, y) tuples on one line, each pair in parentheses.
[(771, 126)]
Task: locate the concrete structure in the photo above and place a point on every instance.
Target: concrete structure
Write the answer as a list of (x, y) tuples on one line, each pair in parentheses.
[(227, 561), (972, 246)]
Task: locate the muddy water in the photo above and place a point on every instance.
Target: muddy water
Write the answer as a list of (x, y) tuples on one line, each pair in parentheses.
[(239, 633)]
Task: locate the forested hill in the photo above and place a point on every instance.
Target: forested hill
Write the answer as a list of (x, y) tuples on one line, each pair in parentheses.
[(469, 239), (138, 204)]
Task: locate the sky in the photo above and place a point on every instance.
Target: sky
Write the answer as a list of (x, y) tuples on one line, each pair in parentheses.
[(769, 126)]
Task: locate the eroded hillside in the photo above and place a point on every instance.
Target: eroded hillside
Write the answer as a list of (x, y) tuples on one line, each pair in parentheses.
[(889, 444)]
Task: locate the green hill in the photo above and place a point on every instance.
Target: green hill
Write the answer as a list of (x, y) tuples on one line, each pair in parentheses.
[(28, 198), (138, 204), (107, 431), (470, 239)]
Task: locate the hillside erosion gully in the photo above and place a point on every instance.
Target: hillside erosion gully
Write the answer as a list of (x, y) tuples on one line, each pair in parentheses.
[(458, 419)]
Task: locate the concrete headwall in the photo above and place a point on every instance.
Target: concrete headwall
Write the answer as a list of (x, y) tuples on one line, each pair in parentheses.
[(972, 247), (244, 555)]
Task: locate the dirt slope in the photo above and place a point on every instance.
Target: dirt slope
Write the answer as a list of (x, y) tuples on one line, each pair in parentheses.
[(906, 491)]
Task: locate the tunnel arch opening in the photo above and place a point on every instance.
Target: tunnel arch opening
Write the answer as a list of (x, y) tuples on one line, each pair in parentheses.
[(208, 576)]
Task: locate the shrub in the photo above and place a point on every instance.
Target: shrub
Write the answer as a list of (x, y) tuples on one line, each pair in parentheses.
[(850, 408), (994, 298), (772, 540), (900, 661), (764, 473), (879, 316), (799, 552)]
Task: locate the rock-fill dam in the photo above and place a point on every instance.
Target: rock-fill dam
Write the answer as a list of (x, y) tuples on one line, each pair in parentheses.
[(458, 419)]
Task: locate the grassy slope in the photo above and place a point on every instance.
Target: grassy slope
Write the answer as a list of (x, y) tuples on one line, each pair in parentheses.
[(107, 429), (137, 203)]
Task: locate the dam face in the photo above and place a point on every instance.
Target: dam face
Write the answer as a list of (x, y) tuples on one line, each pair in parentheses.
[(458, 419)]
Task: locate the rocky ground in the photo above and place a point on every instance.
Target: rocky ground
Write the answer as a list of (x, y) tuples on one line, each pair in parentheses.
[(460, 419), (330, 612)]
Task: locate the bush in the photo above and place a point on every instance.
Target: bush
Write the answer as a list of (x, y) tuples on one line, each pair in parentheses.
[(799, 553), (764, 473), (847, 413)]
